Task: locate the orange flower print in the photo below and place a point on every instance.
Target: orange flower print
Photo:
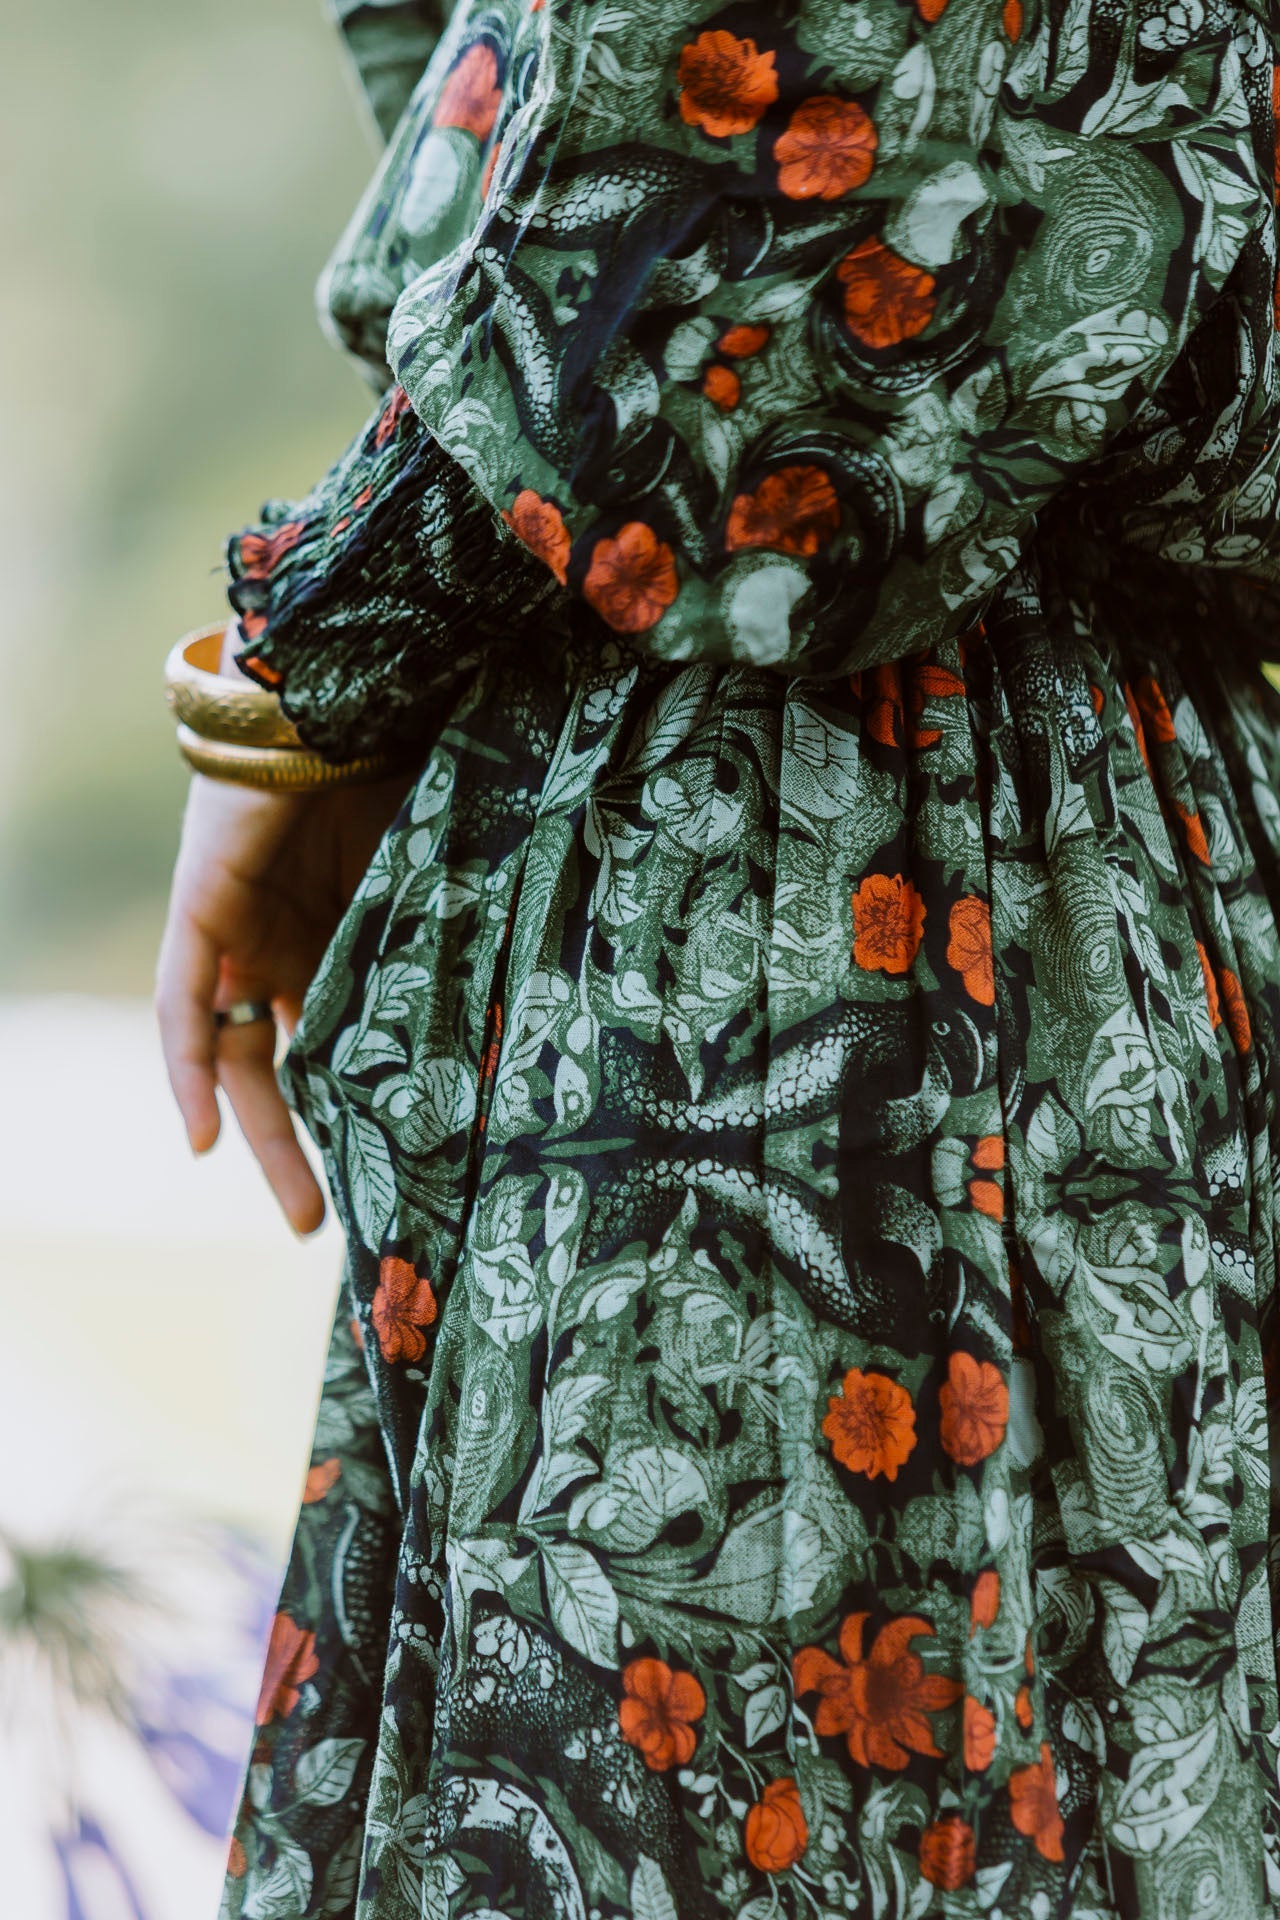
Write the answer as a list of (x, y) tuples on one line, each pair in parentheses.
[(1033, 1799), (632, 578), (793, 510), (881, 1703), (357, 1333), (320, 1480), (657, 1712), (1139, 731), (291, 1660), (403, 1304), (888, 923), (742, 341), (1210, 985), (1022, 1707), (975, 1409), (947, 1853), (269, 676), (725, 83), (931, 10), (237, 1863), (252, 626), (871, 1424), (979, 1735), (389, 418), (886, 299), (722, 386), (828, 149), (931, 682), (882, 688), (1193, 826), (984, 1602), (987, 1196), (260, 553), (1155, 710), (1236, 1011), (471, 96), (1011, 19), (969, 948), (775, 1832), (540, 525)]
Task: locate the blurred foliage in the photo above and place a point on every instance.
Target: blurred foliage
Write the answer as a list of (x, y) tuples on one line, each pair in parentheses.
[(177, 177), (131, 1645)]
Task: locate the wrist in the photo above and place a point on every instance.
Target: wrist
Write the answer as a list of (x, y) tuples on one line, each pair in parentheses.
[(233, 729), (231, 646)]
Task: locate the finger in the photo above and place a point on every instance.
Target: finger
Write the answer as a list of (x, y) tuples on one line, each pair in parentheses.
[(186, 980), (246, 1072)]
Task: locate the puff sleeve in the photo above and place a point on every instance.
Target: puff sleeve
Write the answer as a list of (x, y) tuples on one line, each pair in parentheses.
[(770, 341), (389, 43)]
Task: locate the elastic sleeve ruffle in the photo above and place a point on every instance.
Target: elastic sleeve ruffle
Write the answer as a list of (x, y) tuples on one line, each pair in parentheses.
[(800, 402), (362, 603), (799, 395)]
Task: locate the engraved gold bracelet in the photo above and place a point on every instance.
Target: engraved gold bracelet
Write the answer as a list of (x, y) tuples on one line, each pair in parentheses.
[(231, 729)]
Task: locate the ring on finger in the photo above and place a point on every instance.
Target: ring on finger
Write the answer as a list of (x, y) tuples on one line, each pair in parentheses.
[(243, 1013)]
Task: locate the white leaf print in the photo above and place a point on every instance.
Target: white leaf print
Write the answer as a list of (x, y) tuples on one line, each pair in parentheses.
[(630, 1506), (558, 1471), (669, 721), (1155, 1808), (287, 1888), (651, 1897), (360, 1047), (568, 1404), (766, 1711), (1146, 1330), (368, 1165), (1119, 346), (584, 1607), (926, 227), (484, 1565), (325, 1772)]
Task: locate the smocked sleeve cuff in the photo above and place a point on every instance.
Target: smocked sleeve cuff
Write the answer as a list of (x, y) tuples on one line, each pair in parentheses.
[(362, 603)]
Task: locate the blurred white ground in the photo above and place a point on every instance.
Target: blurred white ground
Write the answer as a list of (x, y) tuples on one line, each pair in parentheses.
[(163, 1337)]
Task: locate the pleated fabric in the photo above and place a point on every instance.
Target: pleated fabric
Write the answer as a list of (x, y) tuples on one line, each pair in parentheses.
[(797, 1438)]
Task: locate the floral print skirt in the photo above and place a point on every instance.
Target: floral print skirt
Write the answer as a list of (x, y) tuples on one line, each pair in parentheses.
[(796, 1434)]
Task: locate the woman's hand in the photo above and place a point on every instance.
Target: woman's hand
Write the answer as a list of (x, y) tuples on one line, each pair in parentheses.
[(260, 884)]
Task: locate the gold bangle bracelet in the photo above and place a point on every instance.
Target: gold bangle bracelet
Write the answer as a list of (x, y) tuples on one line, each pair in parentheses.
[(280, 769), (217, 707)]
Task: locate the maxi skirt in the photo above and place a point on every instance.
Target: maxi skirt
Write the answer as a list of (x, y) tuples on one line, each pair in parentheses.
[(797, 1434)]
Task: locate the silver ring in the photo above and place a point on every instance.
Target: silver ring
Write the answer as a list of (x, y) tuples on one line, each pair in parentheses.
[(243, 1013)]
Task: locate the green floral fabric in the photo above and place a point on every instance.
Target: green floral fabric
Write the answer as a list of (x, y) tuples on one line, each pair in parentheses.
[(390, 42), (801, 1076)]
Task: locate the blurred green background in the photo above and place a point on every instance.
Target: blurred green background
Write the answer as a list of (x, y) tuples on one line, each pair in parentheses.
[(177, 176), (175, 180)]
